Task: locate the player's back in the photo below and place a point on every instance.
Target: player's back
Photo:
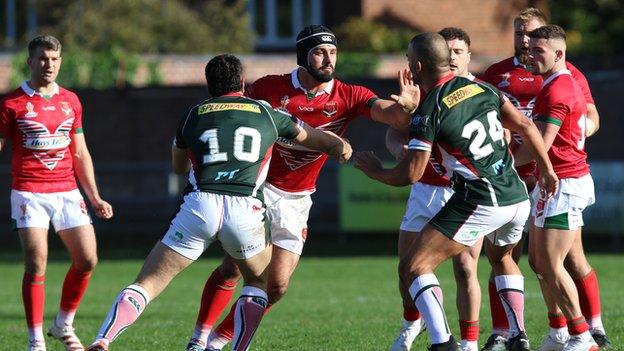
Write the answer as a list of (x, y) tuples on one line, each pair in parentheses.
[(464, 117), (229, 140)]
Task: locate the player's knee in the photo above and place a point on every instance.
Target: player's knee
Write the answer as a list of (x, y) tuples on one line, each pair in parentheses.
[(229, 271), (464, 268), (577, 266), (276, 291), (86, 264), (35, 264)]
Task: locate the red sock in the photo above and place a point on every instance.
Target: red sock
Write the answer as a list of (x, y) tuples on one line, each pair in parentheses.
[(33, 296), (74, 287), (410, 313), (499, 317), (216, 295), (469, 330), (577, 326), (556, 321), (589, 295)]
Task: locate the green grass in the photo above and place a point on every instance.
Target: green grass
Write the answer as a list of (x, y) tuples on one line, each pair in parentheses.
[(332, 304)]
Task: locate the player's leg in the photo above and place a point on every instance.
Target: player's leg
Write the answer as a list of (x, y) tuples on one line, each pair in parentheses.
[(430, 249), (586, 283), (217, 294), (34, 242), (551, 248), (468, 298), (81, 245)]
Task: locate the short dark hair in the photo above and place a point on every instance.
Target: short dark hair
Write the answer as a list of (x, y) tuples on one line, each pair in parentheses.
[(223, 74), (431, 49), (551, 31), (43, 41), (530, 13), (450, 33)]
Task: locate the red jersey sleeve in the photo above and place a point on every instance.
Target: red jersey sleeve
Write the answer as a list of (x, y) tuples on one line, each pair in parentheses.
[(258, 90), (580, 78), (487, 76), (362, 99), (7, 120), (551, 109)]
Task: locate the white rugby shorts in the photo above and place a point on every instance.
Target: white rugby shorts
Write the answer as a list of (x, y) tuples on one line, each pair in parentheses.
[(238, 222), (424, 202), (565, 209), (288, 216), (65, 209)]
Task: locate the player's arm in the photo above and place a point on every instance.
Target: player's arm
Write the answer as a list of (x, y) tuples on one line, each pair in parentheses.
[(533, 142), (396, 142), (180, 161), (83, 168), (408, 171), (397, 113), (592, 123), (325, 141)]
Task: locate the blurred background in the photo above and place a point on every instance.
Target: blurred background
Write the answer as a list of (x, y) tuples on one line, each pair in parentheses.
[(137, 65)]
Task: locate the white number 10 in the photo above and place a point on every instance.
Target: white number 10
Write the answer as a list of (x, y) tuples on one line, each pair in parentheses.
[(210, 136)]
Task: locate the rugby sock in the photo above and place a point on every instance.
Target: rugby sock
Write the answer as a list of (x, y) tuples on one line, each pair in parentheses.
[(511, 291), (469, 330), (427, 295), (74, 287), (410, 313), (500, 325), (224, 332), (589, 299), (558, 327), (128, 306), (577, 326), (33, 297), (248, 314), (216, 296)]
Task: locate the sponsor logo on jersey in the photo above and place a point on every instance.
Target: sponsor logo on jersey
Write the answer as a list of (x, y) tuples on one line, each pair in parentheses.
[(526, 79), (30, 108), (48, 108), (216, 107), (66, 108), (306, 108), (462, 94), (330, 108), (49, 148), (418, 119), (505, 82)]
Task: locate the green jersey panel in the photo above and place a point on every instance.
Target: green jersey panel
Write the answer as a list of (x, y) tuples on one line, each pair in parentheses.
[(459, 121), (229, 141)]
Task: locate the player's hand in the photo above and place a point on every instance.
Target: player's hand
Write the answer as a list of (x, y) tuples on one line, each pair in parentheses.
[(367, 162), (409, 95), (548, 183), (345, 152), (102, 209)]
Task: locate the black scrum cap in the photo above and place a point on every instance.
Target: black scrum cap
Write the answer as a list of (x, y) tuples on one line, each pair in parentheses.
[(311, 37)]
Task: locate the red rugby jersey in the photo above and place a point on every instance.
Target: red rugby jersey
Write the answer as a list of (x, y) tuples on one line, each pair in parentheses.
[(521, 87), (561, 102), (41, 130)]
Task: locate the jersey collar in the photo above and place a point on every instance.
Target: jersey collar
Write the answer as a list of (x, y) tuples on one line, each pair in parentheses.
[(234, 93), (470, 76), (444, 79), (294, 77), (555, 75), (31, 92), (517, 62)]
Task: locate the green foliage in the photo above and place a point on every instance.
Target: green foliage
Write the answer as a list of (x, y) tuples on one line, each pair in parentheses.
[(353, 64), (80, 69), (359, 35), (149, 26), (593, 27)]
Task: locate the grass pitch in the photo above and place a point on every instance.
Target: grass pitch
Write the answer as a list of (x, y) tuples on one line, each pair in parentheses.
[(333, 304)]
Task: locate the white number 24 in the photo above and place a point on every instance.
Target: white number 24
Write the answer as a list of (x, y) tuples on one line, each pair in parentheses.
[(478, 147), (210, 136)]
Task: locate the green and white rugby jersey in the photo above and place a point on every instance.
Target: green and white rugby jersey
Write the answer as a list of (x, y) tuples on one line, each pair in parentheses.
[(229, 141), (459, 122)]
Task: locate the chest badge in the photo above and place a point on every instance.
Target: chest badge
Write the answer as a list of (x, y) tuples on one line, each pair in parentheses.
[(31, 111), (67, 110), (505, 82), (330, 109)]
